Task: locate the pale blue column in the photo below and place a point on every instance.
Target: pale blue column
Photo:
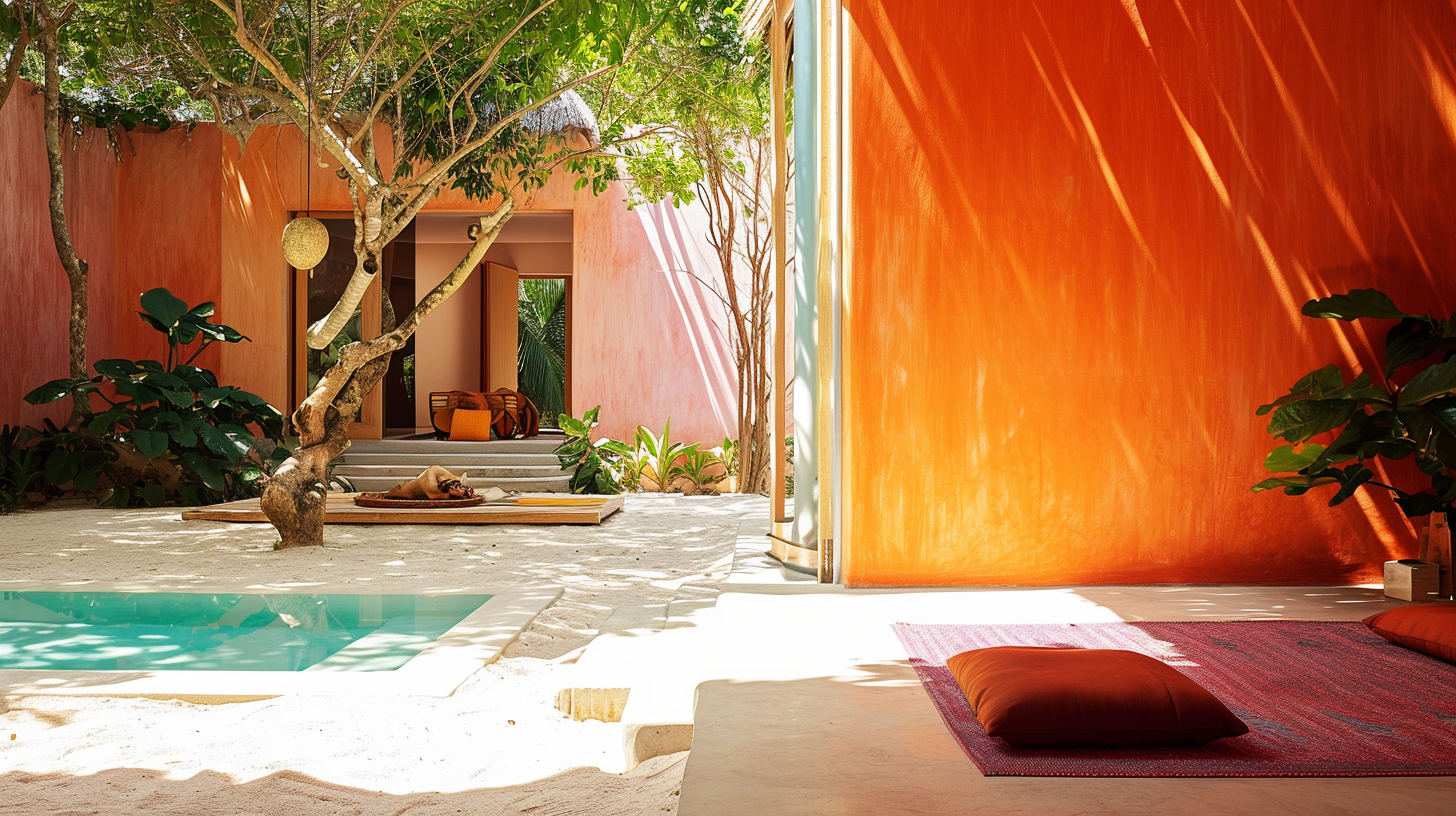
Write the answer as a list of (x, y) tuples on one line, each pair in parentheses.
[(805, 280)]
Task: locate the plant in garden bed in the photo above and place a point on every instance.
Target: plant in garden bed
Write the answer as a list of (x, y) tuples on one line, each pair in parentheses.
[(701, 469), (1409, 412), (20, 467), (595, 465), (656, 456), (169, 432)]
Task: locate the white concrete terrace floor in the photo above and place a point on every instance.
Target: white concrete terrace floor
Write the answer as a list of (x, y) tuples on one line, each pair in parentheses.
[(798, 699)]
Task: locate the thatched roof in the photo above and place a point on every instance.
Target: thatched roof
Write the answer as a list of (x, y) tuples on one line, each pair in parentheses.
[(567, 112)]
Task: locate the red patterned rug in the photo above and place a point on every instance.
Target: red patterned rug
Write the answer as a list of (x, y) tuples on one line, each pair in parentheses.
[(1320, 699)]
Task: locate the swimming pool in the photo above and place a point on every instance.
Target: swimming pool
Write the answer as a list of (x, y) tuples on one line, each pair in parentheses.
[(222, 644), (194, 631)]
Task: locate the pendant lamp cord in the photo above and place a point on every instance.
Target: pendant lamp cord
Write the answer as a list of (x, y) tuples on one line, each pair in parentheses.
[(308, 91)]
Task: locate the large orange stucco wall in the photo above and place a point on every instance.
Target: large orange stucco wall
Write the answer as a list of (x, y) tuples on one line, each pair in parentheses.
[(1082, 233)]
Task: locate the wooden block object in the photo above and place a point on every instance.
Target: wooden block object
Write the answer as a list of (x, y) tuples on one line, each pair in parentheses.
[(1436, 548), (1412, 580)]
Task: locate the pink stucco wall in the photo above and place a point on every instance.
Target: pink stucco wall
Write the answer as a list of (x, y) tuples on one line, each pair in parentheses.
[(187, 210)]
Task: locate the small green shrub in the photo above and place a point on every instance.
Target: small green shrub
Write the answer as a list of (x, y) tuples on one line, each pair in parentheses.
[(20, 467), (170, 432), (595, 465), (697, 468)]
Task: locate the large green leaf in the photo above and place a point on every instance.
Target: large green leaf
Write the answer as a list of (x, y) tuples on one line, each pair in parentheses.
[(1435, 382), (61, 466), (1350, 480), (1285, 459), (118, 368), (1357, 304), (199, 464), (163, 306), (52, 391), (151, 443), (1302, 420), (1409, 341), (1294, 485)]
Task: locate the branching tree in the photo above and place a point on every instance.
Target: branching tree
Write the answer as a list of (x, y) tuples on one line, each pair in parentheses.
[(715, 142), (406, 97)]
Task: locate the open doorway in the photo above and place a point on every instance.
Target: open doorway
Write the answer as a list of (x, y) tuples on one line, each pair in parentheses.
[(475, 341), (543, 344)]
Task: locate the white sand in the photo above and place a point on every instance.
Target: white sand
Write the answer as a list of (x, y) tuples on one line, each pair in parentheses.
[(497, 745)]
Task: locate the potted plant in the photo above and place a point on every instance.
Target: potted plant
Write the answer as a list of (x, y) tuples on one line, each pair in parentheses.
[(1408, 410)]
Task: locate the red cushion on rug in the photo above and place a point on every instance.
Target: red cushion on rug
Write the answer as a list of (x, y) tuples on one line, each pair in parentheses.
[(1039, 696), (1428, 628)]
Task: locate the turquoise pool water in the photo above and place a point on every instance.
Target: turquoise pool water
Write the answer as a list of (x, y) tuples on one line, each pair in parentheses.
[(186, 631)]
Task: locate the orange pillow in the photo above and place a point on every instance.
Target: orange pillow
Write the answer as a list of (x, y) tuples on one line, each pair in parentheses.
[(1040, 696), (470, 426), (1428, 628)]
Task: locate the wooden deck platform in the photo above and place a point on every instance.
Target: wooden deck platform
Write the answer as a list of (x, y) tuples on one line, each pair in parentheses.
[(342, 510)]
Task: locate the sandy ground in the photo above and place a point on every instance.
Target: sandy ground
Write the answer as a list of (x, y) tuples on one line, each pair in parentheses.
[(497, 746)]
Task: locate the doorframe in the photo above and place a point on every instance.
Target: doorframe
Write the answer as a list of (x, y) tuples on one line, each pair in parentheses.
[(370, 422)]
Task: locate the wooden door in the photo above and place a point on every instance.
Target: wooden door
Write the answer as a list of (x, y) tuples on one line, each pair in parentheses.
[(501, 316)]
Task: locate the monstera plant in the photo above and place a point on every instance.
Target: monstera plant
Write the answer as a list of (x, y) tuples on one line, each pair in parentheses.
[(1409, 410), (167, 430)]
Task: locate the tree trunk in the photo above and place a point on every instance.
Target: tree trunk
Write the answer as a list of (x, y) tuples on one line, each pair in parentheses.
[(75, 267), (294, 499)]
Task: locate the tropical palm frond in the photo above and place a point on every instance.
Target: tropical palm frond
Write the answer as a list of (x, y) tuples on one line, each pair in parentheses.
[(541, 345)]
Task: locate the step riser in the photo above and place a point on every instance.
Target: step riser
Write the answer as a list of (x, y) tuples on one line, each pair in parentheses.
[(410, 472), (449, 459), (430, 446), (366, 483)]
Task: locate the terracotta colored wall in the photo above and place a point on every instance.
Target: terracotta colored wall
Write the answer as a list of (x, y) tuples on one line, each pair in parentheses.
[(168, 232), (184, 210), (1082, 234), (448, 344), (256, 283), (33, 289)]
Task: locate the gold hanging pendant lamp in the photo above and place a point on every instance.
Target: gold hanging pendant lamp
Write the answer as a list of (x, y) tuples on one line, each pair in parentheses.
[(305, 242)]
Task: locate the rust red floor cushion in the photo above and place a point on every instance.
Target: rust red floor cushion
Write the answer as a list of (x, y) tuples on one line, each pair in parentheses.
[(1040, 696), (1428, 628)]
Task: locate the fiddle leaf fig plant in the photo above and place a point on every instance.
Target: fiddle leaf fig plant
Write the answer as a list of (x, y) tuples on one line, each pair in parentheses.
[(1410, 411)]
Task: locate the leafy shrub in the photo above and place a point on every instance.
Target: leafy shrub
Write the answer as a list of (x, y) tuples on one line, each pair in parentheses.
[(170, 432), (20, 466), (656, 457), (595, 465), (697, 467), (1404, 415)]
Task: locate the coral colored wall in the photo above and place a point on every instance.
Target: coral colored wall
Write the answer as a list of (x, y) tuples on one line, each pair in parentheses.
[(184, 209), (33, 286), (168, 232), (1082, 233), (256, 294)]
